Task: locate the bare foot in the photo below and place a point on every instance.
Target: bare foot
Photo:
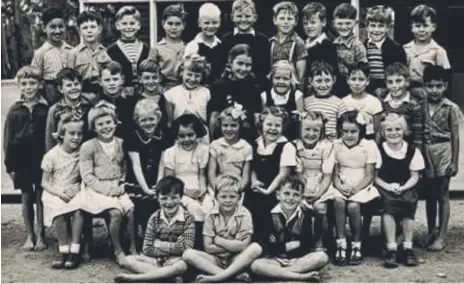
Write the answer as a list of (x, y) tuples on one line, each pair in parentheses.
[(312, 276), (41, 244), (244, 277), (428, 240), (29, 244), (121, 259), (201, 278), (122, 278), (438, 245)]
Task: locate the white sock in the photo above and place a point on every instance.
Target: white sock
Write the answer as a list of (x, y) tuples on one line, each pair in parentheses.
[(392, 246), (63, 249), (75, 248), (356, 245), (407, 245), (341, 243)]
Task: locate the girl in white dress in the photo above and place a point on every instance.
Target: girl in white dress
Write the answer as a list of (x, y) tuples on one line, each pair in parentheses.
[(62, 196)]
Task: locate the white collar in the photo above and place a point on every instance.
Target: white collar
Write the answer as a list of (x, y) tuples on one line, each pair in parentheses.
[(378, 44), (239, 211), (402, 151), (251, 32), (179, 217), (238, 145), (317, 40), (406, 98), (296, 214), (199, 39), (274, 95), (260, 141)]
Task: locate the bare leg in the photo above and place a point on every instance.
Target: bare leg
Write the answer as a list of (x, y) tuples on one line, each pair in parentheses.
[(41, 244), (114, 228), (389, 225), (176, 269), (431, 205), (61, 228), (77, 227), (28, 217), (202, 261), (444, 207), (131, 231), (354, 211), (140, 264), (408, 230), (320, 224), (340, 217), (271, 268), (310, 262)]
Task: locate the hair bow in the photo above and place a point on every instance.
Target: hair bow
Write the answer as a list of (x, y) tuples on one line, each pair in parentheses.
[(363, 118), (237, 112)]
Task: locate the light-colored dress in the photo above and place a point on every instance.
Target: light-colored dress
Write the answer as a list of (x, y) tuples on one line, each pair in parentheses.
[(352, 168), (64, 169)]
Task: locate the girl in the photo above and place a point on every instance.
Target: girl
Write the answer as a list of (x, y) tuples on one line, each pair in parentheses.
[(62, 197), (273, 158), (355, 159), (230, 154), (283, 93), (315, 160), (144, 147), (397, 177), (103, 168), (237, 85)]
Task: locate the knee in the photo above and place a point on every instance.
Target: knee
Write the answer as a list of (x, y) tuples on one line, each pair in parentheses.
[(256, 266), (321, 258), (189, 255), (255, 250), (339, 204), (353, 208), (114, 214), (181, 267)]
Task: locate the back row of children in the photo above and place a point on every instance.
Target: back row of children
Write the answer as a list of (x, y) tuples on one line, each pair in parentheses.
[(98, 103)]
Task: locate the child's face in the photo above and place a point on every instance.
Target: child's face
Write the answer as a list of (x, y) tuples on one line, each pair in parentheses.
[(169, 203), (148, 122), (272, 128), (105, 127), (128, 26), (111, 83), (344, 27), (71, 89), (244, 19), (393, 132), (436, 90), (350, 134), (90, 31), (358, 82), (55, 30), (285, 22), (29, 88), (230, 128), (227, 200), (377, 31), (322, 84), (311, 131), (241, 66), (282, 81), (313, 26), (209, 25), (187, 137), (191, 79), (150, 81), (73, 134), (173, 26), (396, 85), (289, 198), (423, 31)]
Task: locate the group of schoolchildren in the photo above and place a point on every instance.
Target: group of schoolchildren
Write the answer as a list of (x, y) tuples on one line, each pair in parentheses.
[(224, 150)]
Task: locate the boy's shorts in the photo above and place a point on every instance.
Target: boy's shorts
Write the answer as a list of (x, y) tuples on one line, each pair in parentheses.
[(27, 182), (224, 261), (440, 155), (158, 261), (285, 262)]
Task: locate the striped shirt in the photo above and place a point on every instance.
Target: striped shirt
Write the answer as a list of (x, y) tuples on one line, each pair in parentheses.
[(375, 60), (132, 50), (50, 59), (331, 107)]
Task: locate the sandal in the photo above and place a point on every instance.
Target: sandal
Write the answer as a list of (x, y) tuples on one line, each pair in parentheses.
[(356, 257), (340, 257)]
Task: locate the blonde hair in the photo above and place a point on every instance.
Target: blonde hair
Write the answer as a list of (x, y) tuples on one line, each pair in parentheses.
[(195, 63), (65, 119), (28, 72), (227, 182), (284, 65), (101, 109), (128, 11), (209, 10), (240, 5), (313, 116), (274, 111), (392, 117), (146, 106)]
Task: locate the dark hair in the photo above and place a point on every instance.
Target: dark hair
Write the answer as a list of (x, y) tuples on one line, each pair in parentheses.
[(397, 68), (67, 74), (421, 12), (345, 11), (295, 181), (170, 185), (88, 16), (313, 8), (351, 117), (175, 10), (148, 65), (113, 66), (186, 120), (236, 50), (437, 73), (361, 66), (318, 67), (50, 14)]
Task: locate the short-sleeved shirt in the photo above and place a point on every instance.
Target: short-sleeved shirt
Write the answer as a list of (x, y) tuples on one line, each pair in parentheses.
[(88, 62), (288, 156), (238, 227), (367, 104), (441, 118), (187, 164), (63, 167), (292, 49), (331, 107), (417, 60), (281, 100), (50, 59), (189, 101), (169, 56), (417, 161), (350, 51), (231, 159)]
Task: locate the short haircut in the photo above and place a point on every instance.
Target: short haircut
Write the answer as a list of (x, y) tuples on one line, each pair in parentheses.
[(240, 5), (149, 65), (313, 116), (88, 16), (274, 111), (286, 65), (421, 12), (319, 67), (285, 6), (128, 11), (391, 117), (147, 106), (314, 8), (51, 14), (186, 120), (28, 72), (113, 66), (195, 63), (101, 109), (436, 73), (380, 14), (397, 68), (351, 117), (67, 74), (170, 185), (209, 10), (174, 10), (295, 181), (360, 66), (345, 11), (65, 119), (227, 182)]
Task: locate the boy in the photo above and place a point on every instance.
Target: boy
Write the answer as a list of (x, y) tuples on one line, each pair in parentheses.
[(227, 233), (423, 50), (69, 83), (350, 50), (169, 51), (287, 242), (206, 43), (244, 16), (381, 50), (170, 232), (52, 56), (23, 142), (286, 44), (88, 57), (128, 50), (443, 149)]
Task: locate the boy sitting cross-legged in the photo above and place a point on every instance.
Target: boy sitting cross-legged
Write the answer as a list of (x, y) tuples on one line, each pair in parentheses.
[(170, 231)]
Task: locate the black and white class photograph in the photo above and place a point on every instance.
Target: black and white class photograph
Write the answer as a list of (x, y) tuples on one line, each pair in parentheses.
[(232, 141)]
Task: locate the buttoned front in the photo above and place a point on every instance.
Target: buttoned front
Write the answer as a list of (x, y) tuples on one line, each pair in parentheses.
[(87, 61), (237, 227), (169, 56), (50, 59), (231, 159), (292, 49)]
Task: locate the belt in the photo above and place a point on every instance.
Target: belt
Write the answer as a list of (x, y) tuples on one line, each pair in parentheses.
[(436, 140)]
